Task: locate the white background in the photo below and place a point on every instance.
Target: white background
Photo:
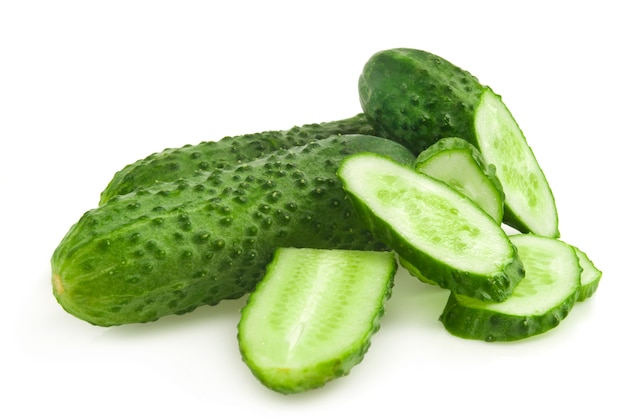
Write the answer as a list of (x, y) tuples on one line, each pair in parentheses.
[(87, 87)]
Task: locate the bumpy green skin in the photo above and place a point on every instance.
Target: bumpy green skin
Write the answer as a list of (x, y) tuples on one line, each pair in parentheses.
[(195, 160), (175, 246), (417, 98)]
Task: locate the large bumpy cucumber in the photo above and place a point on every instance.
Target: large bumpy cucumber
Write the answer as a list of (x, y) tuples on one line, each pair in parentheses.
[(178, 163), (417, 98), (312, 317), (175, 246)]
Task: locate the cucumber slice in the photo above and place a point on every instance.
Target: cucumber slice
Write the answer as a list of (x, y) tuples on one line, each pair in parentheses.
[(590, 276), (433, 227), (529, 205), (312, 317), (459, 164), (539, 303)]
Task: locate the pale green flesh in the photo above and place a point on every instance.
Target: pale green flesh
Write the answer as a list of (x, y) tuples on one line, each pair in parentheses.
[(458, 169), (429, 214), (313, 306), (552, 275), (502, 143)]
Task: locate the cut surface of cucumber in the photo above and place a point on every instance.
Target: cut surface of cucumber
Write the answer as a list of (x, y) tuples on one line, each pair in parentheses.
[(312, 316), (539, 303), (529, 202), (433, 227), (590, 276), (460, 165)]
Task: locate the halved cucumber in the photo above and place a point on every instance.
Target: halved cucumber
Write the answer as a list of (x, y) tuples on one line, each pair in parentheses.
[(590, 276), (312, 316), (433, 227), (539, 303), (529, 202)]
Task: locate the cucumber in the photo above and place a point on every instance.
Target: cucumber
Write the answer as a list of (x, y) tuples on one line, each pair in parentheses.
[(460, 165), (433, 227), (417, 98), (590, 276), (195, 160), (312, 317), (540, 302), (175, 246)]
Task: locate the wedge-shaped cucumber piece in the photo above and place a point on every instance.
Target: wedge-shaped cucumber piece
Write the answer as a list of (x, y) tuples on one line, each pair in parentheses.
[(312, 316), (433, 227), (460, 165), (539, 303), (590, 276), (529, 203)]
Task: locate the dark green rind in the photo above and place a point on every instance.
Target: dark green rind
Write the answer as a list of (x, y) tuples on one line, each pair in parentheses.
[(417, 98), (491, 326), (195, 160), (178, 245), (322, 373), (495, 287)]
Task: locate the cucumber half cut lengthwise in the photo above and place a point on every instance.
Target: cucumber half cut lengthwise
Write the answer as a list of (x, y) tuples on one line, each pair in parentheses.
[(312, 316), (539, 303), (433, 227)]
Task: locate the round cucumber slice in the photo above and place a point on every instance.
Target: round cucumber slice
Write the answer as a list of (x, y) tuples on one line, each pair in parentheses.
[(539, 303)]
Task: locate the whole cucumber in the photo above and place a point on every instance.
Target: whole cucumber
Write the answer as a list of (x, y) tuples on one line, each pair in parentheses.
[(175, 246), (177, 163), (417, 98)]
